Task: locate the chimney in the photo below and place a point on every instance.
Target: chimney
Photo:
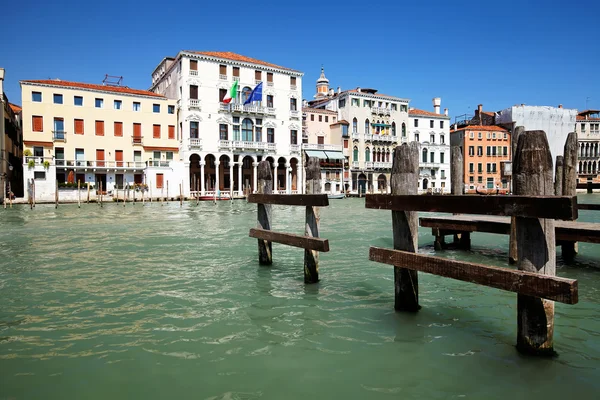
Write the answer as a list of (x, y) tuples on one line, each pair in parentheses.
[(339, 90), (445, 111), (522, 105), (358, 89), (560, 106), (331, 92), (437, 101), (479, 109)]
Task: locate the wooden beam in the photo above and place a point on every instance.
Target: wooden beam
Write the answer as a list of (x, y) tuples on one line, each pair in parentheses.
[(304, 242), (556, 207), (265, 187), (526, 283), (594, 207), (309, 200), (311, 224)]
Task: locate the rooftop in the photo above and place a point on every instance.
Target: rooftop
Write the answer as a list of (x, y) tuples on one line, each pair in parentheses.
[(91, 86), (416, 112), (318, 110), (228, 55), (480, 128), (16, 109), (588, 115)]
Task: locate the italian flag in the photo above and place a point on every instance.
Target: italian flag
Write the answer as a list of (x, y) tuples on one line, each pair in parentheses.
[(232, 94)]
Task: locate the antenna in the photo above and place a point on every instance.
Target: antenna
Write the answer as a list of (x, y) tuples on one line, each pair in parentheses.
[(110, 80)]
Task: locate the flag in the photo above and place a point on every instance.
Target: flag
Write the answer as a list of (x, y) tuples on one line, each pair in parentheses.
[(256, 94), (232, 94)]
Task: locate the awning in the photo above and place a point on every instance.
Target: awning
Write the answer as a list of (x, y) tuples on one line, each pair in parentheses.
[(384, 125), (335, 155), (316, 153)]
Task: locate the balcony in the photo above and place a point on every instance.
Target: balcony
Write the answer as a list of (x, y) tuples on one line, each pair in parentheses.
[(294, 148), (355, 135), (104, 164), (384, 138), (380, 111), (195, 144), (222, 77), (368, 137), (238, 145), (382, 165), (293, 87), (158, 163), (59, 136), (137, 140), (269, 83), (423, 164), (193, 72), (236, 78), (331, 147), (369, 165), (194, 104), (294, 114), (257, 81), (354, 164), (249, 109)]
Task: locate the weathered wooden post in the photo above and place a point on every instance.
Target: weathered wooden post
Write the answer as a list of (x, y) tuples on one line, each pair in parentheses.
[(457, 187), (78, 193), (405, 180), (4, 201), (101, 194), (167, 190), (133, 202), (180, 195), (569, 186), (88, 193), (532, 176), (30, 194), (265, 186), (512, 242), (558, 175), (55, 194), (33, 191), (10, 194), (313, 186), (198, 191)]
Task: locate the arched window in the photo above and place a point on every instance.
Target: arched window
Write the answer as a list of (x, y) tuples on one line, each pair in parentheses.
[(387, 156), (354, 125), (424, 155), (367, 155), (403, 129), (246, 93), (393, 129), (247, 126), (432, 138), (355, 154), (378, 128), (367, 126)]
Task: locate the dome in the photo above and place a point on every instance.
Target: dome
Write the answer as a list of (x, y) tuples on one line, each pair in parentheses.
[(322, 78)]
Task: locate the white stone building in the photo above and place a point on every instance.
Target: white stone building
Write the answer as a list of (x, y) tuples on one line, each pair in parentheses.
[(432, 131), (588, 136), (221, 144)]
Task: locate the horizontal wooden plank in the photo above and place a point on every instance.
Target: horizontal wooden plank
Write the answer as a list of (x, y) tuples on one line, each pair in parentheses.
[(556, 207), (313, 200), (594, 207), (289, 239), (527, 283)]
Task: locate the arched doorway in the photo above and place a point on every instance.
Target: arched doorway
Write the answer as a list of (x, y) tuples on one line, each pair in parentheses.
[(381, 183), (248, 174), (281, 174), (209, 172), (425, 183), (362, 183), (294, 166), (195, 173), (224, 173)]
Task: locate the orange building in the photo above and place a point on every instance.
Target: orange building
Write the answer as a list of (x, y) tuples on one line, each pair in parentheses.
[(487, 154)]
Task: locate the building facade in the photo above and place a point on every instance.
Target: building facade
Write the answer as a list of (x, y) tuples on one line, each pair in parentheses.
[(486, 149), (588, 137), (377, 123), (432, 131), (112, 136), (221, 144), (11, 146)]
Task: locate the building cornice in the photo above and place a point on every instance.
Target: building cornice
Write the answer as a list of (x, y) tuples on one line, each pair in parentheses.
[(240, 63), (376, 96), (58, 86)]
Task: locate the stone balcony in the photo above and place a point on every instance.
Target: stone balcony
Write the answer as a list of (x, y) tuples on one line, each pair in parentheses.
[(240, 145)]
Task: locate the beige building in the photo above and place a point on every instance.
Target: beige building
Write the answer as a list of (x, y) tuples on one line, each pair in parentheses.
[(92, 133), (11, 146)]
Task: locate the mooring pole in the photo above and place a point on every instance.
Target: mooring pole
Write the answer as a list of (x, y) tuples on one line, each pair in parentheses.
[(88, 193), (536, 244), (55, 194), (569, 187), (10, 197), (313, 186), (78, 193), (265, 182), (180, 195), (512, 242)]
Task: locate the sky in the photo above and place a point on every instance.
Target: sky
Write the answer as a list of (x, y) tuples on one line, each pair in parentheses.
[(493, 53)]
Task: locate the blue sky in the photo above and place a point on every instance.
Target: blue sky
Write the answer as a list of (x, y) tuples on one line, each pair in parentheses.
[(494, 53)]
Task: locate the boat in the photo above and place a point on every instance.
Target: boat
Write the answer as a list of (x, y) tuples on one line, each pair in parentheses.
[(336, 196), (211, 197)]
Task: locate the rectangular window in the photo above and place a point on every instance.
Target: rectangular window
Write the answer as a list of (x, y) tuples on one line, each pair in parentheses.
[(472, 135), (159, 181), (258, 76), (394, 107), (489, 167), (119, 158), (431, 123), (505, 150), (346, 143), (79, 158), (155, 108), (432, 157), (58, 98), (270, 100), (480, 151), (171, 131), (222, 69), (416, 123), (36, 97), (99, 103), (441, 124), (493, 150), (269, 77), (471, 150), (270, 135), (79, 127), (100, 157), (490, 183), (342, 103), (156, 131), (258, 133), (494, 168), (326, 118), (312, 117), (38, 123), (137, 106), (118, 104), (137, 133), (292, 81), (479, 135), (499, 150), (294, 136), (222, 94), (442, 158), (99, 128), (171, 109), (156, 156), (39, 175), (480, 179), (488, 136), (118, 129), (193, 65), (488, 151), (471, 179), (193, 92), (320, 118), (320, 139), (223, 132), (505, 136), (236, 72), (194, 129), (169, 155), (293, 104), (471, 168), (78, 100), (479, 167), (236, 132)]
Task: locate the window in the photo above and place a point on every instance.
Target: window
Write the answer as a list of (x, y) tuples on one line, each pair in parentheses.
[(346, 143), (320, 118), (327, 118), (236, 73), (37, 122), (480, 179), (312, 117), (155, 108), (258, 76), (494, 168), (488, 136), (79, 157), (247, 129), (38, 151), (499, 152), (441, 124), (269, 78), (137, 156), (472, 135), (39, 175), (193, 92), (223, 133), (171, 132), (416, 123), (432, 157), (494, 135), (488, 151), (505, 136), (118, 128), (169, 155), (471, 179), (270, 135), (79, 127), (119, 159), (404, 130), (99, 103), (355, 154), (356, 102), (194, 129), (416, 137), (471, 168), (293, 104), (156, 131), (442, 139), (222, 94), (36, 97), (489, 167), (193, 65), (394, 107), (171, 109), (59, 128), (58, 98), (137, 106), (471, 150), (505, 150), (257, 133), (118, 104), (354, 125), (442, 158), (367, 155), (236, 128), (78, 101), (479, 167), (493, 150), (345, 130), (156, 156), (424, 155), (293, 81), (223, 70), (99, 128), (367, 126), (342, 103), (431, 123), (270, 100), (320, 139), (159, 181), (490, 183), (294, 136), (480, 151), (393, 129), (432, 138), (479, 135)]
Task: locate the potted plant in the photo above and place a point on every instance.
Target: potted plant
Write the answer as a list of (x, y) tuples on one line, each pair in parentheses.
[(31, 163), (46, 164), (27, 152)]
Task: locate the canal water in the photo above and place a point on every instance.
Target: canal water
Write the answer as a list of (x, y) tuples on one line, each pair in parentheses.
[(159, 301)]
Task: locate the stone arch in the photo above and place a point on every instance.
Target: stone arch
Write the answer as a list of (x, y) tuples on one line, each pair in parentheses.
[(381, 182), (194, 171), (209, 172), (294, 165)]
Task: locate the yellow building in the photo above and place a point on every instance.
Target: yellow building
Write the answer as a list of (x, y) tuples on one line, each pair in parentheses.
[(105, 134)]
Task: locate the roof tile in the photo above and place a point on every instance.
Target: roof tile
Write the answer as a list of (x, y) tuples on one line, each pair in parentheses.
[(228, 55), (416, 112), (91, 86)]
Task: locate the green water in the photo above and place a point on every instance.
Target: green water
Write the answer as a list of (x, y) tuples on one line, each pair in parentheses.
[(161, 302)]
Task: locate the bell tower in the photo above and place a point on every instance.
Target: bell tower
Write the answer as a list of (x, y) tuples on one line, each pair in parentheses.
[(322, 85)]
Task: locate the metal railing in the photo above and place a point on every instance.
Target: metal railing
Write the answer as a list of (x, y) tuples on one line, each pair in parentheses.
[(59, 136), (137, 140), (247, 145), (62, 163), (193, 72)]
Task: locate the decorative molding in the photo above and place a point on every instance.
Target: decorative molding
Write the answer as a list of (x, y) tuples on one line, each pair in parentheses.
[(293, 126), (193, 81), (270, 124), (194, 117), (223, 120)]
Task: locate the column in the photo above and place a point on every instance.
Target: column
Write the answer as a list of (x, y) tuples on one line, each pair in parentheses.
[(217, 173), (240, 183), (275, 184), (231, 176), (202, 177), (254, 176), (299, 178), (288, 180)]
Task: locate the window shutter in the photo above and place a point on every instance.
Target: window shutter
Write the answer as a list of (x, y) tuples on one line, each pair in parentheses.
[(118, 129), (258, 75), (194, 65), (100, 128), (137, 130), (236, 71), (171, 131), (38, 123), (79, 127), (223, 69), (193, 92), (156, 131), (269, 77), (159, 181), (292, 80)]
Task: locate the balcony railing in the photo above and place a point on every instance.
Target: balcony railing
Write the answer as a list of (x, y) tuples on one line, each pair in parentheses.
[(368, 137), (195, 143), (294, 113), (269, 83), (380, 110), (222, 77), (193, 72), (354, 164), (384, 138), (294, 148), (246, 145), (382, 165), (60, 163), (194, 104), (249, 108), (270, 111), (369, 165), (312, 146), (59, 136), (355, 135), (429, 164), (158, 163), (257, 81), (137, 140), (236, 78), (293, 87)]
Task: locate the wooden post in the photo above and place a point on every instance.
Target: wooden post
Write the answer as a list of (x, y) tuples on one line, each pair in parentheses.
[(405, 180), (133, 203), (10, 197), (558, 176), (101, 194), (162, 196), (569, 187), (78, 193), (457, 171), (512, 242), (55, 194), (167, 190), (265, 186), (180, 195), (197, 191), (33, 191), (4, 201), (150, 191), (88, 193), (313, 186), (532, 174), (30, 193)]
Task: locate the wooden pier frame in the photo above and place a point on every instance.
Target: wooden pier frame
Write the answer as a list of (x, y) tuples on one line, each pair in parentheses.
[(534, 210), (310, 242)]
